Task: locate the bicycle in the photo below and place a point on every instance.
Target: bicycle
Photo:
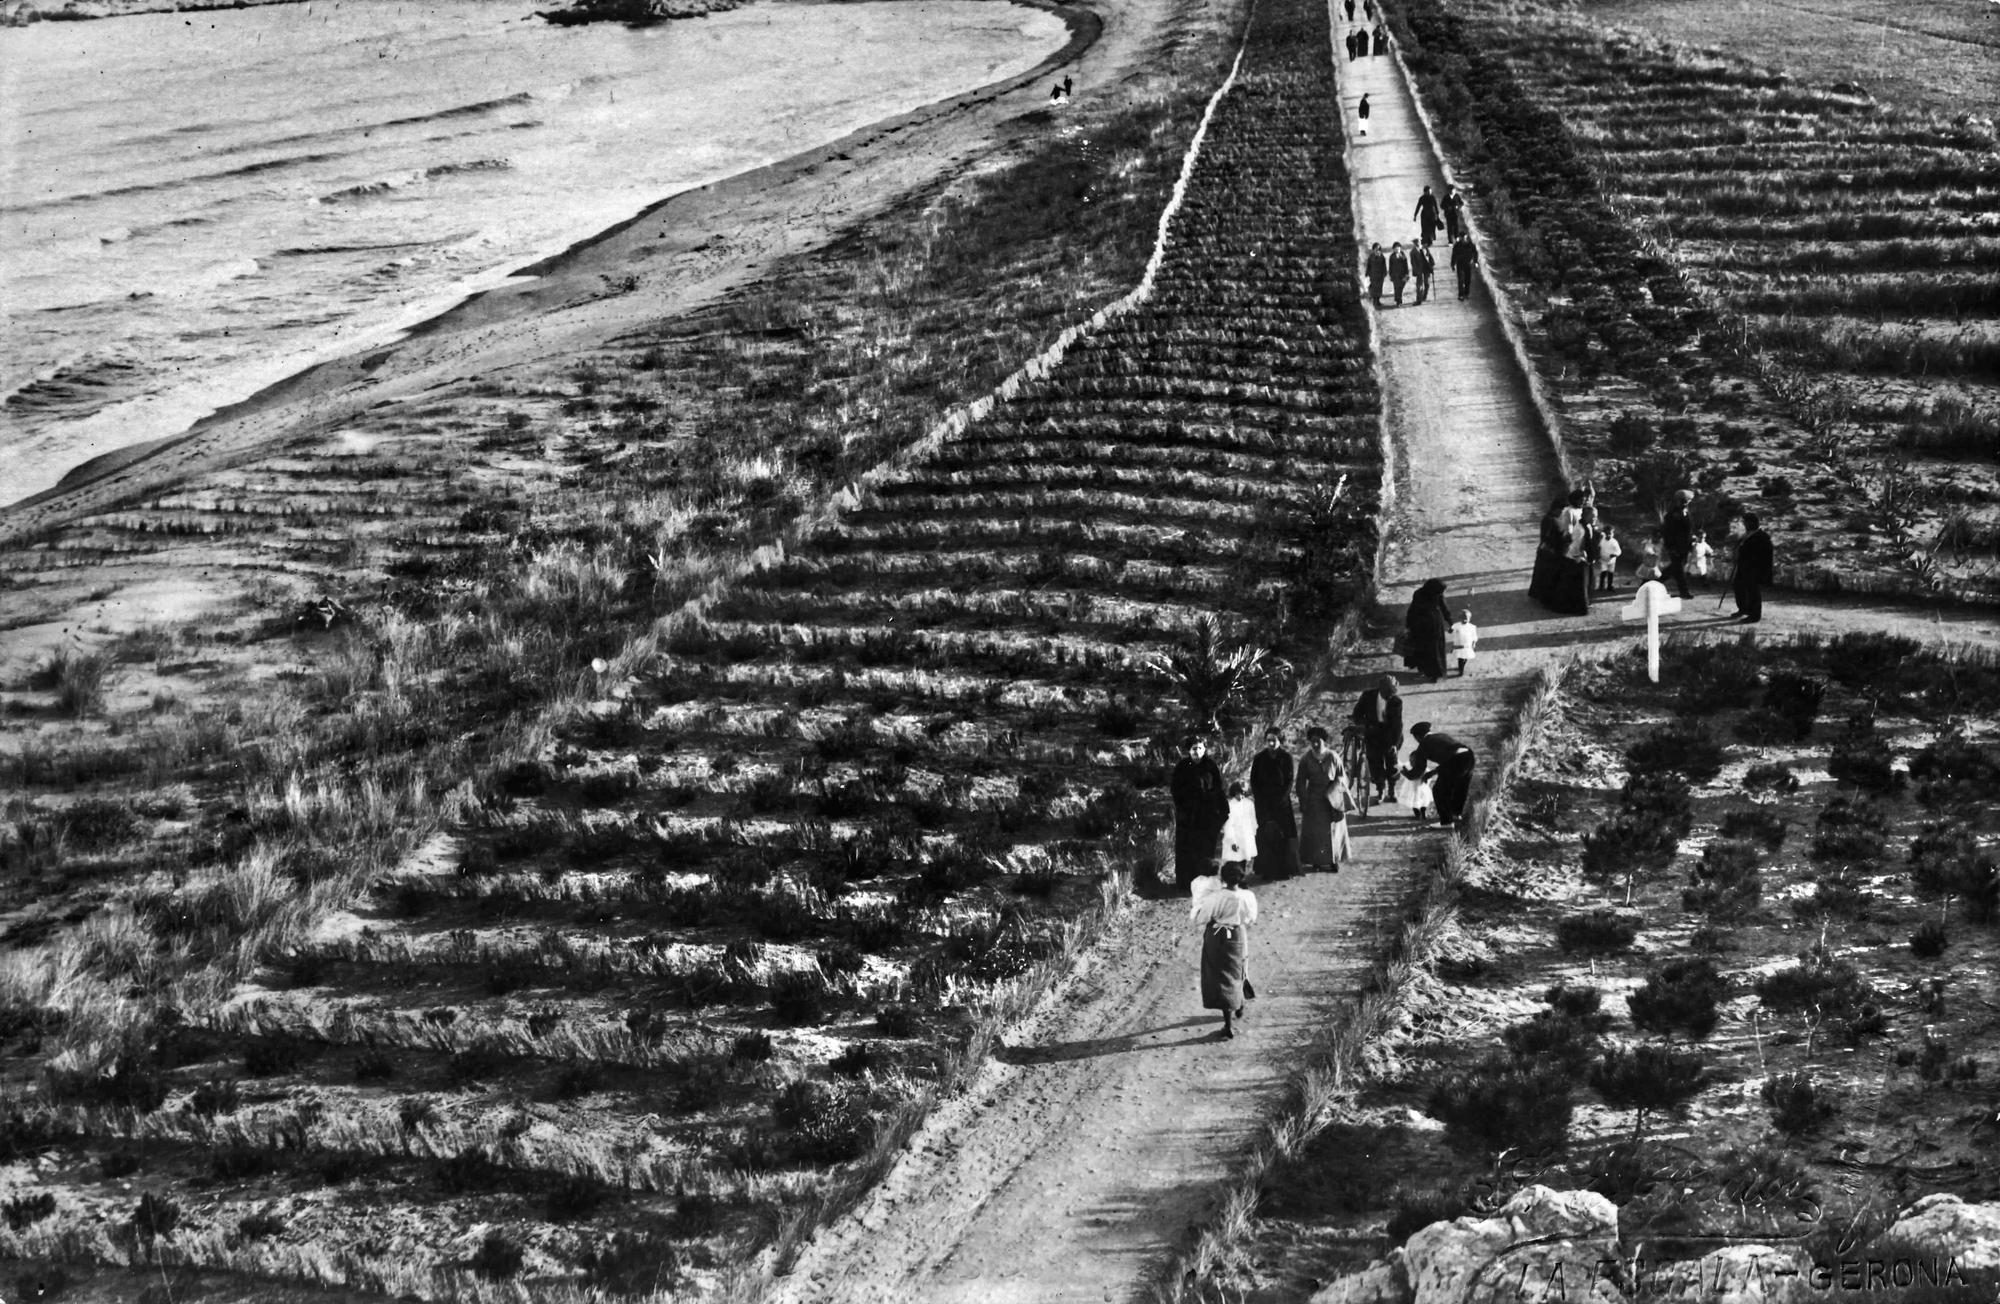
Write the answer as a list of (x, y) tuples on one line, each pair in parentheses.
[(1354, 758)]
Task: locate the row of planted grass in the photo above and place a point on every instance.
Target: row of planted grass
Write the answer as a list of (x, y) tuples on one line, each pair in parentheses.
[(1732, 253), (796, 903)]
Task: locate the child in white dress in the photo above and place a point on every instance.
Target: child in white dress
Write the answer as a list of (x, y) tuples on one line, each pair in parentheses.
[(1609, 550), (1702, 555), (1239, 831), (1649, 561), (1464, 639)]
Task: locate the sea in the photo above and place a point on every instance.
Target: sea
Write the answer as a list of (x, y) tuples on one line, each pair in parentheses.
[(196, 205)]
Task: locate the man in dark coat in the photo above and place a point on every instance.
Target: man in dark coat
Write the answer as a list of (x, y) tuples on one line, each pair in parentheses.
[(1381, 40), (1424, 625), (1450, 761), (1201, 807), (1379, 715), (1272, 774), (1677, 534), (1361, 112), (1399, 269), (1423, 267), (1454, 214), (1463, 259), (1350, 10), (1427, 215), (1378, 269), (1756, 563)]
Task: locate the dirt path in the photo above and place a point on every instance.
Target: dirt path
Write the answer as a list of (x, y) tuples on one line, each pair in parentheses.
[(1084, 1150)]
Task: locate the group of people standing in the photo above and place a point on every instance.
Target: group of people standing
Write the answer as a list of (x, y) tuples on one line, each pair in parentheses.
[(1398, 267), (1578, 555)]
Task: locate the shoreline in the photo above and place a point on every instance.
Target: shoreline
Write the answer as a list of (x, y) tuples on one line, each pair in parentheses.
[(536, 289)]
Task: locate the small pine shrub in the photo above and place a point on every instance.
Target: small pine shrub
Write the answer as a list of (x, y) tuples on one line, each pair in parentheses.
[(23, 1212), (373, 1066), (1832, 986), (1414, 1214), (1725, 880), (216, 1096), (572, 1198), (1865, 762), (1868, 660), (1953, 772), (1554, 1038), (1929, 941), (1597, 930), (1795, 699), (260, 1226), (1797, 1103), (1583, 1003), (752, 1047), (1664, 796), (1686, 749), (1628, 844), (499, 1257), (1717, 676), (1680, 994), (825, 1123), (267, 1059), (1504, 1104), (800, 997), (1771, 776), (1648, 1079), (1755, 825), (1631, 434), (856, 1059), (899, 1021), (156, 1216), (1837, 894)]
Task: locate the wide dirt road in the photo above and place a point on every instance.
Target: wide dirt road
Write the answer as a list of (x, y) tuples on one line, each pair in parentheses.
[(1073, 1167)]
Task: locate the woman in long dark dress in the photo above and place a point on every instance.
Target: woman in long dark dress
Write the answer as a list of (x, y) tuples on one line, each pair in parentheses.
[(1379, 714), (1201, 807), (1561, 581), (1272, 772), (1425, 626), (1225, 911)]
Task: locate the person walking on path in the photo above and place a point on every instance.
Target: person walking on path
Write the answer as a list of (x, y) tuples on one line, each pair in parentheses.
[(1272, 773), (1464, 641), (1201, 805), (1379, 715), (1454, 214), (1378, 269), (1399, 270), (1424, 625), (1361, 112), (1447, 763), (1350, 10), (1756, 563), (1225, 909), (1677, 532), (1464, 257), (1381, 41), (1323, 805), (1424, 268), (1427, 215)]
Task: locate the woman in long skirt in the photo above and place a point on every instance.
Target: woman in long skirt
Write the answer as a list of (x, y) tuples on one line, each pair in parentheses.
[(1225, 911), (1272, 774), (1425, 625), (1323, 805), (1201, 806)]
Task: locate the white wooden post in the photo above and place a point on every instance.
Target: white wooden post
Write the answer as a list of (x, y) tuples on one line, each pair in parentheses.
[(1651, 602)]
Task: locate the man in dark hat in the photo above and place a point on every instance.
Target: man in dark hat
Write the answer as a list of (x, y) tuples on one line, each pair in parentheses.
[(1399, 270), (1677, 534), (1378, 271), (1463, 259), (1756, 561), (1448, 763)]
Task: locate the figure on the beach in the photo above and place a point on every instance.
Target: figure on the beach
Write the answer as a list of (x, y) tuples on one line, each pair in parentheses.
[(1272, 773), (1463, 259), (1677, 533), (1454, 214), (1423, 267), (1427, 215), (1379, 714), (1424, 626), (1399, 269), (1448, 764), (1201, 804), (1378, 271), (1225, 909), (1323, 805), (1756, 564)]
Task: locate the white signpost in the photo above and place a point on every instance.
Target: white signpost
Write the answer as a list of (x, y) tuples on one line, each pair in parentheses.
[(1651, 602)]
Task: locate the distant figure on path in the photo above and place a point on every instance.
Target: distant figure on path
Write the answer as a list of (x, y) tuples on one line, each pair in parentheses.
[(1454, 214), (1450, 761), (1562, 579), (1464, 257), (1272, 773), (1323, 805), (1350, 10), (1379, 713), (1609, 550), (1368, 10), (1464, 640), (1067, 92), (1702, 556), (1399, 270), (1201, 805), (1427, 215), (1381, 40), (1424, 267), (1424, 625), (1678, 534), (1378, 270), (1056, 93), (1756, 563), (1225, 910), (1361, 112)]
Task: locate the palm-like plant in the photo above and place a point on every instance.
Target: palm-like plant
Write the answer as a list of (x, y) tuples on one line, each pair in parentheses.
[(1211, 672)]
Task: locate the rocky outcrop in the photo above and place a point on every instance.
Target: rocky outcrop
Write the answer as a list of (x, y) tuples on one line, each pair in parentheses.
[(1378, 1283), (636, 13), (1947, 1227), (1542, 1244)]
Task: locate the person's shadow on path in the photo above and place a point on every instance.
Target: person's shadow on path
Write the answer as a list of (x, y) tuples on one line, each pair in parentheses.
[(1098, 1047)]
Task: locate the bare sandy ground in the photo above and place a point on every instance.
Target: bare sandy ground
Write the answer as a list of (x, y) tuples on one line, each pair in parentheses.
[(1075, 1166)]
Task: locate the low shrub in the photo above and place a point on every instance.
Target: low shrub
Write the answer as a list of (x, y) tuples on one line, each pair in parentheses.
[(1555, 1038), (1868, 661), (825, 1123), (1597, 930), (1929, 941), (1837, 893), (1648, 1079), (1771, 776), (156, 1216), (1576, 1002), (855, 1060), (1679, 994), (572, 1198), (1797, 1103), (752, 1047), (1754, 825), (1726, 879), (1716, 676), (1833, 987), (1867, 763), (634, 1263), (1795, 699), (1628, 845), (268, 1058), (373, 1066), (1415, 1213), (1686, 749), (24, 1211), (1504, 1104), (216, 1096), (1631, 434), (801, 996), (261, 1226), (499, 1257), (1663, 796), (1952, 772), (898, 1020)]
